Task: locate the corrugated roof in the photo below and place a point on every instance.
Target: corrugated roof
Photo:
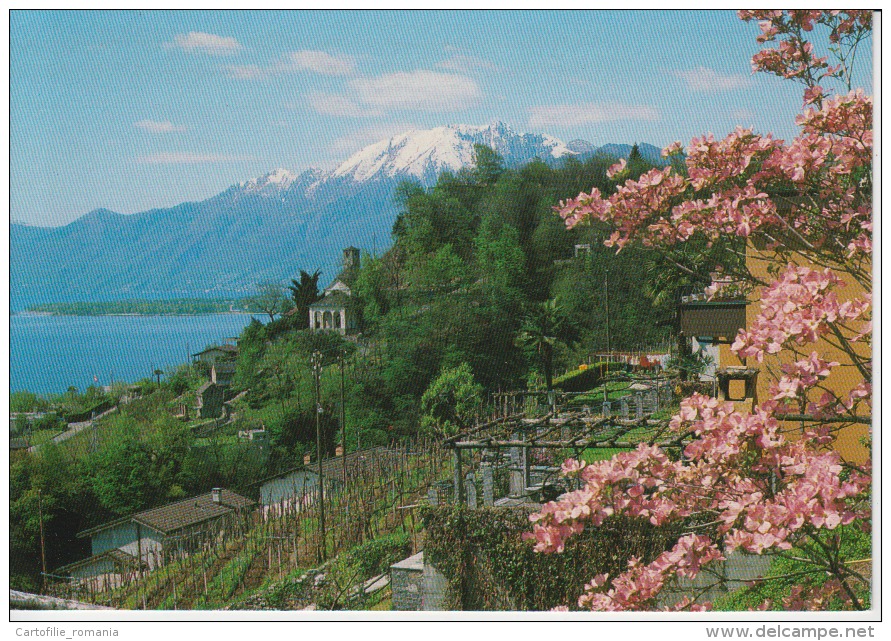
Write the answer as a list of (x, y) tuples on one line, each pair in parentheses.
[(333, 467), (198, 509), (118, 556), (103, 526)]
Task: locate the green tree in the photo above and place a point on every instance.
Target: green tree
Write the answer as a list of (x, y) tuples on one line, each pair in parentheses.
[(450, 403), (499, 256), (543, 329), (488, 164), (269, 299), (304, 293)]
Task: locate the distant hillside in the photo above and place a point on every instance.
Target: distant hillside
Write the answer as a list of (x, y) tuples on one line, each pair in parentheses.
[(262, 229)]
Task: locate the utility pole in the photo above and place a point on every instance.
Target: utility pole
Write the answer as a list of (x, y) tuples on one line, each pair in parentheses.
[(317, 372), (42, 542), (343, 442)]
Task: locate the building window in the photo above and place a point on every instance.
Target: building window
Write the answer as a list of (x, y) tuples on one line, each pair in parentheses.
[(326, 320), (318, 320), (337, 320)]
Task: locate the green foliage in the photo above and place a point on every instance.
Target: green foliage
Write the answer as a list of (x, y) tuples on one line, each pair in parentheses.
[(787, 573), (451, 401), (690, 365), (136, 470), (304, 292), (363, 562), (582, 380), (543, 328), (488, 164), (27, 402)]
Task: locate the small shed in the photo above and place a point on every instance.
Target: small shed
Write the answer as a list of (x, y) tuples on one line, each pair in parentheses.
[(298, 485), (152, 535), (417, 586)]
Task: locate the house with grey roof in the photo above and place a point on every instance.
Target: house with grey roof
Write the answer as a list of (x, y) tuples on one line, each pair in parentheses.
[(157, 534), (215, 353), (298, 486)]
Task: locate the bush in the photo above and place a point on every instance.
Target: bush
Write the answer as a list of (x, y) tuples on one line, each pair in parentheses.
[(357, 565)]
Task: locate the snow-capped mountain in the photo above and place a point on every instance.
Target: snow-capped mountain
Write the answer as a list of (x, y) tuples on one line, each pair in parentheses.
[(424, 154), (261, 229)]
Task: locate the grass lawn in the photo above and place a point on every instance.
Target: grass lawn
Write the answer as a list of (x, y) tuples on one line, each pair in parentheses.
[(39, 437)]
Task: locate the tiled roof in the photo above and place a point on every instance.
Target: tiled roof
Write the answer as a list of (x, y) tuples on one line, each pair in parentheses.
[(198, 509)]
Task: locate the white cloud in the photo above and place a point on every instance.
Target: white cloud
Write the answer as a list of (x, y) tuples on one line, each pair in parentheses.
[(340, 106), (246, 72), (709, 80), (318, 62), (420, 90), (155, 127), (185, 158), (198, 42), (465, 63), (590, 113)]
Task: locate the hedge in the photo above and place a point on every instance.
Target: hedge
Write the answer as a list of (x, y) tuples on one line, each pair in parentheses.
[(584, 379), (489, 567)]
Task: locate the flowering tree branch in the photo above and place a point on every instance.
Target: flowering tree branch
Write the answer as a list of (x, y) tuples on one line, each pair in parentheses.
[(806, 205)]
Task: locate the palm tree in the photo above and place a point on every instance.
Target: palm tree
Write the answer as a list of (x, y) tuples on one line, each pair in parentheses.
[(545, 326)]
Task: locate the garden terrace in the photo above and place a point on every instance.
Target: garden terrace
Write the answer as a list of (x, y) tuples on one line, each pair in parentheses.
[(530, 449)]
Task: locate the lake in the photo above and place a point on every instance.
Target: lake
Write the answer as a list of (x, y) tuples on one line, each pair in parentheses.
[(48, 354)]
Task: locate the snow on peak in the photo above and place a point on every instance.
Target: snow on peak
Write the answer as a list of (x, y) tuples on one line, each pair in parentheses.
[(425, 153), (278, 181)]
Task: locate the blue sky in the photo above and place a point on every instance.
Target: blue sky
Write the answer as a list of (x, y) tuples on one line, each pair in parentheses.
[(136, 110)]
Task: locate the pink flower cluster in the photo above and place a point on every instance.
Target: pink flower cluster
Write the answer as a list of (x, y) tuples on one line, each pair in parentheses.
[(800, 376), (798, 308), (794, 58), (761, 488), (639, 587)]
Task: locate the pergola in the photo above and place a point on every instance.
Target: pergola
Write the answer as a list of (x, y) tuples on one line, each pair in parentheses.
[(572, 431)]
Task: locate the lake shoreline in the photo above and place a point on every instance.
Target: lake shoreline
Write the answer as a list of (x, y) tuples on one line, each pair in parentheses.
[(50, 353), (28, 313)]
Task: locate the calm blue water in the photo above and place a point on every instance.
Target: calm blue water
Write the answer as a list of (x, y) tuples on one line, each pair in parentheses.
[(50, 353)]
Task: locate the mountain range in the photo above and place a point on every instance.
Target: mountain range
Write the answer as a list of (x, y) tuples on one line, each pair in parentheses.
[(262, 229)]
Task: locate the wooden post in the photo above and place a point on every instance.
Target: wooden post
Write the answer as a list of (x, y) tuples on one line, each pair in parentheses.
[(42, 542), (343, 443), (459, 477)]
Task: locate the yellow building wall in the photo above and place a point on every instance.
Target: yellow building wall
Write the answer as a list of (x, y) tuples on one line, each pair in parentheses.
[(843, 378)]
